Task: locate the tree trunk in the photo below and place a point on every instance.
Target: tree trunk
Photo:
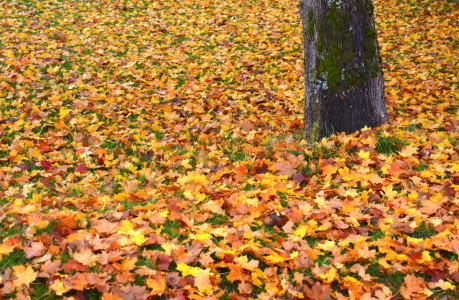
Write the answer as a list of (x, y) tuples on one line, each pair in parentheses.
[(344, 82)]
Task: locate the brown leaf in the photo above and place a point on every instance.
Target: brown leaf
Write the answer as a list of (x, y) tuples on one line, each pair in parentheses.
[(35, 249), (300, 177), (277, 220), (284, 168)]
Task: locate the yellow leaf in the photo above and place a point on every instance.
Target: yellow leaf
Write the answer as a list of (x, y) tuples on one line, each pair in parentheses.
[(187, 270), (63, 112), (413, 241), (301, 231), (9, 54), (126, 227), (364, 154), (200, 236), (186, 164), (200, 197), (256, 276), (449, 285), (121, 197), (426, 256), (139, 239), (58, 287), (275, 258), (25, 275), (327, 246), (427, 292), (188, 194), (329, 276)]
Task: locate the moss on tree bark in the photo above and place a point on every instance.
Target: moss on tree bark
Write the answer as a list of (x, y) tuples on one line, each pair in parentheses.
[(343, 76)]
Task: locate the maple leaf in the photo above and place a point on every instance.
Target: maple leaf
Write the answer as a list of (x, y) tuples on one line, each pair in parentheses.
[(45, 164), (241, 170), (81, 168), (86, 257), (283, 168), (275, 257), (300, 177), (164, 261), (318, 291), (363, 154), (236, 273), (139, 239), (208, 119), (203, 282), (9, 244), (395, 171), (59, 287), (104, 227), (187, 270), (35, 249), (24, 275), (414, 288), (157, 285), (244, 262), (258, 277), (408, 151), (326, 274), (110, 296), (77, 281)]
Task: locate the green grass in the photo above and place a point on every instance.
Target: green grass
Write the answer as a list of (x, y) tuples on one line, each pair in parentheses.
[(389, 144), (171, 228), (423, 231), (15, 258), (393, 280)]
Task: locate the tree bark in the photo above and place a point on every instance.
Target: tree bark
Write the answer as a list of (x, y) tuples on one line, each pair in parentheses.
[(344, 88)]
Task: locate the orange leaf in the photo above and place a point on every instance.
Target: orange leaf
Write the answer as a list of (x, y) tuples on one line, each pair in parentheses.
[(241, 170), (110, 296), (395, 171), (158, 285), (9, 244), (236, 273)]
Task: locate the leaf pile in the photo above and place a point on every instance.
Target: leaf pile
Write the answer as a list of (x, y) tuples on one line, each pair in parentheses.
[(152, 150)]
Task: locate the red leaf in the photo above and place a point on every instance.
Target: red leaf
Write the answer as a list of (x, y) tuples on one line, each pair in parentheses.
[(73, 265), (81, 168), (46, 165), (43, 146), (164, 261)]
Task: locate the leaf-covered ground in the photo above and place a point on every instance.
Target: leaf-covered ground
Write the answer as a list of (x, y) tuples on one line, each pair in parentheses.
[(152, 149)]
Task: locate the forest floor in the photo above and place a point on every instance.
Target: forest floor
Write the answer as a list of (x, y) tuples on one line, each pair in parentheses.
[(153, 149)]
